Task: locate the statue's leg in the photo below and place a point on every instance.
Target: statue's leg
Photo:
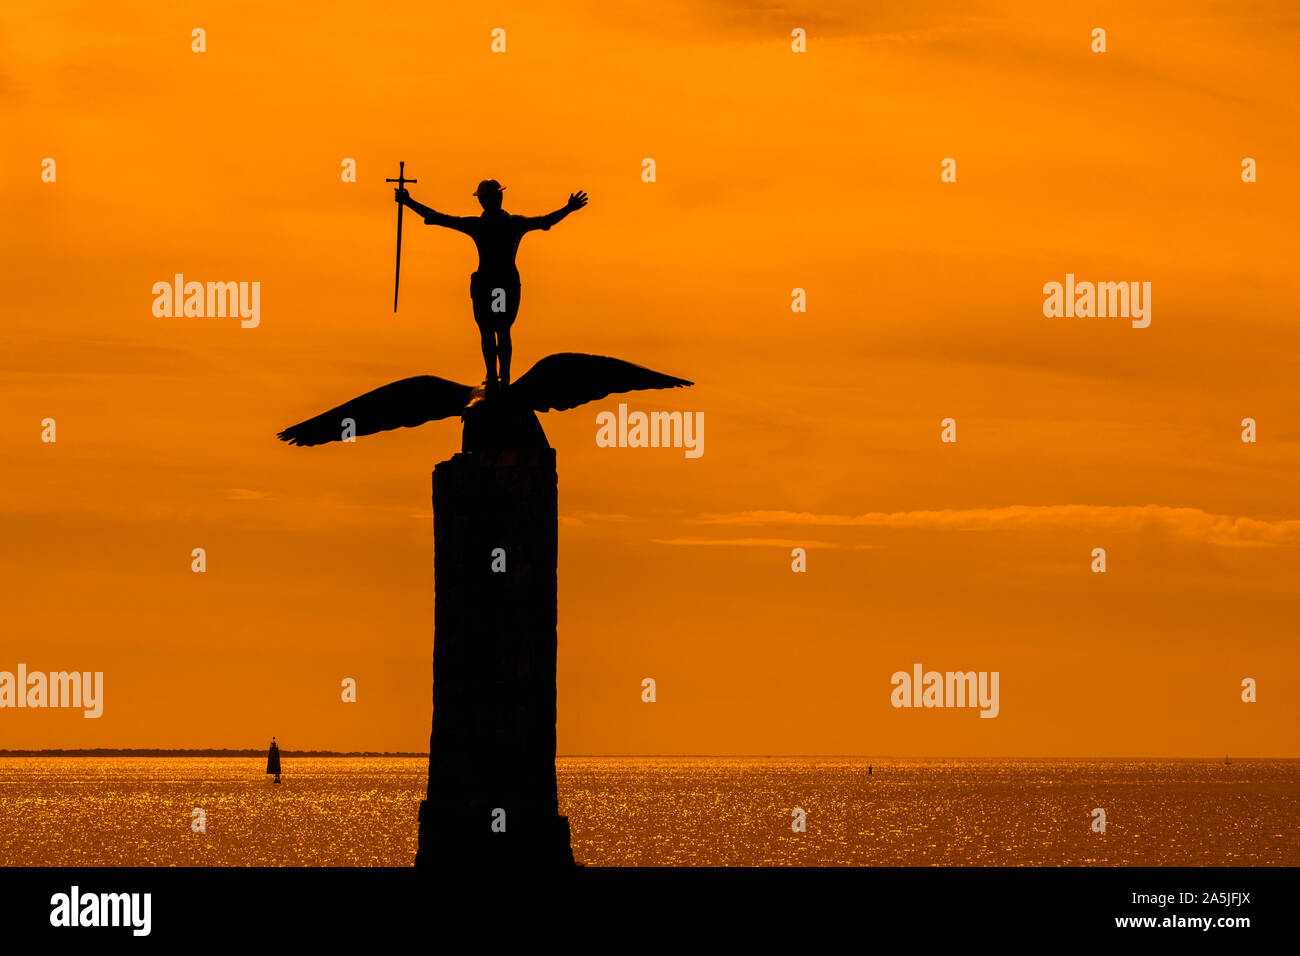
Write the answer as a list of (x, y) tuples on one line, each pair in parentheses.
[(503, 333), (503, 352), (481, 298), (487, 340)]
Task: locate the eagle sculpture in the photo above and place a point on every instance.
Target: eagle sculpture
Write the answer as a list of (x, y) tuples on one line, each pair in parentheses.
[(494, 419)]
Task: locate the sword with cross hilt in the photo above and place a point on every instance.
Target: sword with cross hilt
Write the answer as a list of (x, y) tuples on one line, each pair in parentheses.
[(401, 181)]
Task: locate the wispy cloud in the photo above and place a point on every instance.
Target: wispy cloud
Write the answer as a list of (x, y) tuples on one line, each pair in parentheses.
[(247, 494), (1192, 523), (582, 517), (761, 543)]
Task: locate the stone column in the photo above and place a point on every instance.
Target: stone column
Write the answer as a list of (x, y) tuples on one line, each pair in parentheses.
[(492, 749)]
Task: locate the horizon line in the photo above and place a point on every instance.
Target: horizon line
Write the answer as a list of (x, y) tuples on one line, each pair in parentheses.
[(257, 752)]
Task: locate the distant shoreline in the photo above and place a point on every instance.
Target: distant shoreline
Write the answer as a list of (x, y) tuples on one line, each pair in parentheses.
[(205, 752)]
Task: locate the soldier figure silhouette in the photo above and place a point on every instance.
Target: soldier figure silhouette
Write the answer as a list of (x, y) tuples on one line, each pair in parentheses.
[(494, 288)]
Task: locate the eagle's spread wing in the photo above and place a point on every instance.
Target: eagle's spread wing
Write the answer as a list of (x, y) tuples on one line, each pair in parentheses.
[(570, 379), (404, 404)]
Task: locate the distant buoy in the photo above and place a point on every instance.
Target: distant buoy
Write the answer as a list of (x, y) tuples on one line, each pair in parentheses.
[(273, 760)]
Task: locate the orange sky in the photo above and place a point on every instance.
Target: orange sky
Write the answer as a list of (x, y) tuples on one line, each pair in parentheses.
[(775, 171)]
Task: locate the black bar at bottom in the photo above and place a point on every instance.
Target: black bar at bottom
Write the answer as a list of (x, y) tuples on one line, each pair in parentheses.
[(617, 906)]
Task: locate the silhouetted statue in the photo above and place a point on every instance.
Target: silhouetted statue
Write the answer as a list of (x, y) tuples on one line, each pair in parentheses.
[(494, 289), (492, 798), (273, 760)]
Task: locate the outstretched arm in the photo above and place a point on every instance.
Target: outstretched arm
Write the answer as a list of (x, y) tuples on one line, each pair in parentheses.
[(576, 201), (431, 216)]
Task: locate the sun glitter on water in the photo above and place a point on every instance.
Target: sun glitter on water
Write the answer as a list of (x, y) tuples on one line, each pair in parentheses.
[(627, 811)]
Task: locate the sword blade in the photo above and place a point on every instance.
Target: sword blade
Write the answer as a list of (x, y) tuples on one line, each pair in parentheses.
[(397, 276)]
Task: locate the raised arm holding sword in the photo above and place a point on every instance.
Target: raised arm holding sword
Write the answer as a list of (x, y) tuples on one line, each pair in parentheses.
[(494, 289)]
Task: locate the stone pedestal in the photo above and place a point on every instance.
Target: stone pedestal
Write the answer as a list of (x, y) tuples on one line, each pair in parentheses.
[(492, 750)]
